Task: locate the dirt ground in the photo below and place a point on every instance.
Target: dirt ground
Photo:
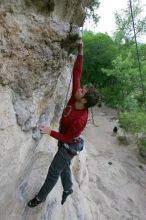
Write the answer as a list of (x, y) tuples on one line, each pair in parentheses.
[(117, 174)]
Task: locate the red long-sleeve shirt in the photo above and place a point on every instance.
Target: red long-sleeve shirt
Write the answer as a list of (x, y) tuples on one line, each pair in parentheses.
[(73, 120)]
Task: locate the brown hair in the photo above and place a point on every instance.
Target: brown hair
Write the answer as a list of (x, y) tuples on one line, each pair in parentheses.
[(92, 97)]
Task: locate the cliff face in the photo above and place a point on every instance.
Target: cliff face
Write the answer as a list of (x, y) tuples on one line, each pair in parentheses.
[(35, 42), (36, 38)]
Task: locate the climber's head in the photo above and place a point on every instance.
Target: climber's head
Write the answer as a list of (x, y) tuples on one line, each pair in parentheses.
[(88, 96)]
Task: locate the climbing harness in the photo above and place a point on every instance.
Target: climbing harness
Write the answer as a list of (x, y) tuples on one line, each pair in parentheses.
[(73, 148)]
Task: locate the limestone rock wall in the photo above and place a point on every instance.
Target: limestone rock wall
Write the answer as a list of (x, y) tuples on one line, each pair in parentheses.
[(36, 38)]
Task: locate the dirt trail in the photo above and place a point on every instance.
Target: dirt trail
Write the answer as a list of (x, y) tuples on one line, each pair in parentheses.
[(117, 178)]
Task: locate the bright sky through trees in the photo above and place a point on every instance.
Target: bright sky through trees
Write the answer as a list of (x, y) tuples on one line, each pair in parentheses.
[(107, 20)]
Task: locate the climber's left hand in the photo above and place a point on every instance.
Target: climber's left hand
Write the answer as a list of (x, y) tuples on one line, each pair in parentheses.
[(44, 129)]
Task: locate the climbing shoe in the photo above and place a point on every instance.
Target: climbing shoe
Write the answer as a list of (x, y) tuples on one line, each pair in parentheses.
[(34, 202), (65, 195)]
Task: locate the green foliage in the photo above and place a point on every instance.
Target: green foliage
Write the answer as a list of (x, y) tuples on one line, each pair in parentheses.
[(110, 96), (142, 146), (114, 98), (125, 87), (142, 142), (142, 51), (115, 72), (124, 30), (99, 51), (112, 65), (133, 121)]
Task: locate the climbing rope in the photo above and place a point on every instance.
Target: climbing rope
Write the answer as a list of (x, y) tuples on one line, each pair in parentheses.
[(137, 53)]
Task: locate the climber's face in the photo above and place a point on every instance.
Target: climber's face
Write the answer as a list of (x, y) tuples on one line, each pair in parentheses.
[(80, 93)]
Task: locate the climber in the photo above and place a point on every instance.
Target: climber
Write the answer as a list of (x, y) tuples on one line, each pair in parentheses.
[(72, 123)]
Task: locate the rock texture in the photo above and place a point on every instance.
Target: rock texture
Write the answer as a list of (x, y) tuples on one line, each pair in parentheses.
[(35, 43), (36, 38), (117, 174)]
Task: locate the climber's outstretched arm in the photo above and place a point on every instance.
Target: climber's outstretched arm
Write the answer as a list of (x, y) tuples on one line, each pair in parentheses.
[(72, 132), (77, 70)]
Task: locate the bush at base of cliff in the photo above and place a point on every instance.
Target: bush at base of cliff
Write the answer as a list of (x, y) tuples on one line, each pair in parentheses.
[(135, 122), (142, 147)]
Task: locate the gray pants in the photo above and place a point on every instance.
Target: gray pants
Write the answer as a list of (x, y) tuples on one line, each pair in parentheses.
[(59, 166)]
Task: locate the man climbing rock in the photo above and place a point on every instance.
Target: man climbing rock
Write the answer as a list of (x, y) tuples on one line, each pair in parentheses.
[(72, 123)]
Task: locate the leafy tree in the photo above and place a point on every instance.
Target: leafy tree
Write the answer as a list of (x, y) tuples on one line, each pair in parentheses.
[(111, 64), (91, 10), (124, 31), (126, 89), (142, 52), (99, 51), (133, 121), (125, 85)]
